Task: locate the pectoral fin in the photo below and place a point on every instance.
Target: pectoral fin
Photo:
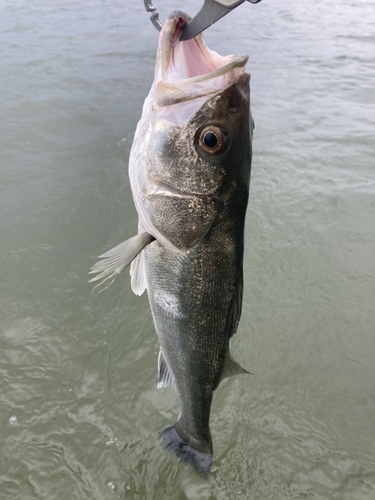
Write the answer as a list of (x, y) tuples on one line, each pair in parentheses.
[(118, 258)]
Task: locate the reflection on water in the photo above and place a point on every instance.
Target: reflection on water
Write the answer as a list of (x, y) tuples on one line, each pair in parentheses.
[(80, 412)]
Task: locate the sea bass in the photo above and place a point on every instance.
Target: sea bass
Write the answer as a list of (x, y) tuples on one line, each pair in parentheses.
[(189, 171)]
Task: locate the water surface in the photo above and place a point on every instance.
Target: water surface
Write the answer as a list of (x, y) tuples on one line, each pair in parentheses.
[(79, 410)]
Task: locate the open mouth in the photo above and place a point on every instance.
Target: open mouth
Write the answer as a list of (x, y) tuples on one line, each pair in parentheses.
[(188, 70)]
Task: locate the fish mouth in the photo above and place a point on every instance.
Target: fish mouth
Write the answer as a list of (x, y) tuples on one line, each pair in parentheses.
[(189, 70)]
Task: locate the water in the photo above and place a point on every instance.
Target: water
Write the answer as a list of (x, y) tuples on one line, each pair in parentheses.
[(79, 410)]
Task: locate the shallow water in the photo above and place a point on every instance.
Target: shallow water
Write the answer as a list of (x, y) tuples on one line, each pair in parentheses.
[(79, 410)]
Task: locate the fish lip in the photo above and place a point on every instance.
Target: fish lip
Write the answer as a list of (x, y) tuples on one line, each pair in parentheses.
[(170, 36), (162, 189)]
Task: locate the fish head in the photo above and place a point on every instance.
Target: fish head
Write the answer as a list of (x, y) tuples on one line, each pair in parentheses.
[(197, 150)]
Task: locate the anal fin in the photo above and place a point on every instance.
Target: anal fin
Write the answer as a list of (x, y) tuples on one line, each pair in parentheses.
[(231, 367)]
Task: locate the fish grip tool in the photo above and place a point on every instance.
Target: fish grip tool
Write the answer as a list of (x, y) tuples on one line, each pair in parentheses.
[(212, 11)]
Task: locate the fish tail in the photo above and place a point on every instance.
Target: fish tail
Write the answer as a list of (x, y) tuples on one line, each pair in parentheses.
[(171, 441)]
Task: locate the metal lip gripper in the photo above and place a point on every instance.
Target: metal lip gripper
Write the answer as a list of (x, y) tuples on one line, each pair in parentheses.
[(212, 11)]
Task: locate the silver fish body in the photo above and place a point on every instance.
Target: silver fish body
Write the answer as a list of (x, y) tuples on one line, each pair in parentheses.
[(190, 175)]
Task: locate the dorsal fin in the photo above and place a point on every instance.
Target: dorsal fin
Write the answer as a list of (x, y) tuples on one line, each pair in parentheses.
[(165, 375), (118, 258)]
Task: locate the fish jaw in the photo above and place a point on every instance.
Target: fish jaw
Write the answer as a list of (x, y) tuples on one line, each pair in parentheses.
[(188, 73)]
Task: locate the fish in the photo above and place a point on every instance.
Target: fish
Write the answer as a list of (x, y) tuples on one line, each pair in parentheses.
[(189, 170)]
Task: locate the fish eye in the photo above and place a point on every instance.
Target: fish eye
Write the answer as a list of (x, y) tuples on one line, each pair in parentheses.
[(210, 140), (213, 140)]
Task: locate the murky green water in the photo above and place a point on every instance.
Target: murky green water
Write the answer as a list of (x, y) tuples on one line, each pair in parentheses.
[(79, 411)]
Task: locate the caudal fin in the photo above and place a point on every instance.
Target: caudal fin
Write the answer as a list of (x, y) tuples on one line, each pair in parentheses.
[(173, 442)]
